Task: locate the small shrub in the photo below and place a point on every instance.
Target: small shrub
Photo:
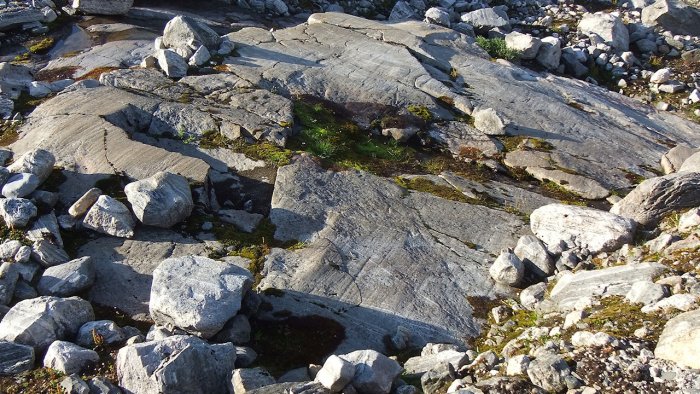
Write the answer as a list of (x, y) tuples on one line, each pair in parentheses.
[(421, 111), (42, 46), (496, 48)]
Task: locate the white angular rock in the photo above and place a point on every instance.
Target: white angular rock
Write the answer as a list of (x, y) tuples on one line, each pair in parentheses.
[(691, 164), (646, 292), (487, 121), (67, 279), (597, 231), (179, 363), (182, 30), (48, 253), (9, 249), (527, 45), (485, 19), (108, 331), (17, 212), (590, 339), (672, 160), (200, 56), (549, 54), (438, 16), (109, 216), (419, 365), (549, 372), (197, 294), (374, 372), (677, 16), (103, 7), (680, 340), (517, 365), (336, 373), (39, 162), (20, 185), (532, 252), (661, 76), (610, 27), (80, 207), (40, 321), (68, 357), (689, 220), (161, 200), (682, 302), (174, 65), (507, 269)]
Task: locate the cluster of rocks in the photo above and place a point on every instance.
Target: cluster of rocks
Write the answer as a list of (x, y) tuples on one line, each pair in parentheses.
[(615, 47), (186, 43), (29, 16)]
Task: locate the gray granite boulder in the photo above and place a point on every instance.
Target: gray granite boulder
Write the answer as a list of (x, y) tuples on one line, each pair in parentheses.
[(183, 31), (673, 15), (39, 162), (20, 185), (680, 340), (67, 279), (109, 216), (109, 332), (162, 200), (597, 231), (17, 212), (609, 27), (197, 294), (374, 372), (179, 363), (69, 358), (40, 321)]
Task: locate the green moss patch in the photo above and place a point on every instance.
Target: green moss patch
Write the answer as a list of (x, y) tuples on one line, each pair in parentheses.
[(42, 46), (617, 317), (338, 142), (496, 48)]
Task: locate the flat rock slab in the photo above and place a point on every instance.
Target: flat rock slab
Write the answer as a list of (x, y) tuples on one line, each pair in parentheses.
[(86, 130), (124, 275), (577, 289), (378, 248), (115, 54)]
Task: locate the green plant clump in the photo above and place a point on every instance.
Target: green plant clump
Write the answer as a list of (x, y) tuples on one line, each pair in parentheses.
[(42, 46), (422, 111), (496, 48), (338, 141)]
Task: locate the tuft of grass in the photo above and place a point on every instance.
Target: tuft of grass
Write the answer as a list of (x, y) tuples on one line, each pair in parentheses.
[(496, 48), (559, 192), (426, 186), (514, 142), (8, 133), (42, 46), (265, 151), (617, 317), (421, 111), (338, 142)]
